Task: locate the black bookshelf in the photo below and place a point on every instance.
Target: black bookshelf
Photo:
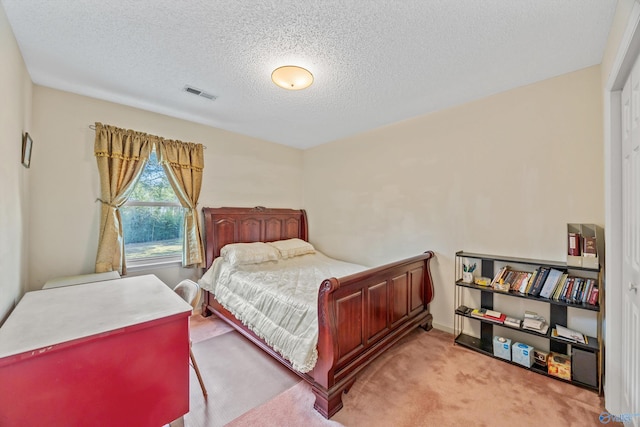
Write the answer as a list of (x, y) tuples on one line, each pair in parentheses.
[(558, 311)]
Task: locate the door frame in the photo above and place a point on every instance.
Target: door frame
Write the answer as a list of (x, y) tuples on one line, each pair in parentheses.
[(628, 51)]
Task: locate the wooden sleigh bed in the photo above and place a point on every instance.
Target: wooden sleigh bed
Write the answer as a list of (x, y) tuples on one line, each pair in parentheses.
[(359, 316)]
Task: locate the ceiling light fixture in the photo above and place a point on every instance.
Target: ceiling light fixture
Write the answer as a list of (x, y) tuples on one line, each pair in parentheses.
[(292, 77)]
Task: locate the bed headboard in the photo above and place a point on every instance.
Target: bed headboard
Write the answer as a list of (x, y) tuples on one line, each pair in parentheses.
[(245, 225)]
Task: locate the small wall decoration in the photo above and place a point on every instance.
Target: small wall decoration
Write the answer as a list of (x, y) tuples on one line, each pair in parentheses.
[(27, 142)]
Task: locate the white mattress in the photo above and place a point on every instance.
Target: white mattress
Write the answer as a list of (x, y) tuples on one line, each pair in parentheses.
[(278, 300)]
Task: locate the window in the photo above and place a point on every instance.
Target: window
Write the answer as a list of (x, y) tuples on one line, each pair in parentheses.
[(152, 218)]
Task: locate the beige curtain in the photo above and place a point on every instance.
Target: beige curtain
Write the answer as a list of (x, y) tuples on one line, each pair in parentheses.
[(121, 155), (183, 163)]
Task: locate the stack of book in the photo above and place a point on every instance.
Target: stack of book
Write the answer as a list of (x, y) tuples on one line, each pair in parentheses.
[(548, 282), (490, 315), (582, 245), (478, 312), (509, 280), (570, 335), (545, 282), (495, 316), (559, 286), (513, 322), (578, 290), (533, 322)]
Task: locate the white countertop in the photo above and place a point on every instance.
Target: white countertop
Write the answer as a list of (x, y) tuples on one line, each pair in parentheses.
[(52, 316)]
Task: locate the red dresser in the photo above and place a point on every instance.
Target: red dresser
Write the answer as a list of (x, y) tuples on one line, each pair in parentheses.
[(105, 353)]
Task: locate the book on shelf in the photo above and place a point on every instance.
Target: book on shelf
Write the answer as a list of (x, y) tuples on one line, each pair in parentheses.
[(565, 286), (494, 316), (577, 289), (499, 320), (567, 291), (538, 326), (509, 277), (526, 286), (463, 309), (485, 314), (478, 312), (512, 321), (550, 283), (499, 275), (562, 283), (534, 322), (511, 280), (589, 249), (530, 323), (518, 279), (567, 334), (588, 286), (574, 290), (582, 290), (593, 298), (540, 280), (574, 244), (492, 313)]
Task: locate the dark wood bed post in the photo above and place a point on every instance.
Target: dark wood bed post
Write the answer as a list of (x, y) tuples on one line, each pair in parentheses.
[(429, 293), (304, 226), (327, 402)]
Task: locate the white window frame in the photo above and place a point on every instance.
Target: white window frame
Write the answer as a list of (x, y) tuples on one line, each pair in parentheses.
[(143, 263)]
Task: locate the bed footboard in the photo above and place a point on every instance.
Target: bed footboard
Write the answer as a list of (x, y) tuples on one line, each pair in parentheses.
[(362, 315)]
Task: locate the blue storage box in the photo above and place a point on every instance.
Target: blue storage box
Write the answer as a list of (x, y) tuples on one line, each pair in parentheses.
[(522, 354), (502, 347)]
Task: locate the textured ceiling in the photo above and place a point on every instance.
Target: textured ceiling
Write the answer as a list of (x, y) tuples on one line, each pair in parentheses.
[(375, 62)]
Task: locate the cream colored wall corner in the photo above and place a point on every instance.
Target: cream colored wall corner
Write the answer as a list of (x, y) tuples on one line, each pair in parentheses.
[(618, 26), (15, 118), (239, 171), (502, 175)]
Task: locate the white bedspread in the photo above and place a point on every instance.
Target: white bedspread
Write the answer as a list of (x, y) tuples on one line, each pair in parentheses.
[(278, 300)]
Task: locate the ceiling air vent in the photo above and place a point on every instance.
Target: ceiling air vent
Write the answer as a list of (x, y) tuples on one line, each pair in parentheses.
[(198, 92)]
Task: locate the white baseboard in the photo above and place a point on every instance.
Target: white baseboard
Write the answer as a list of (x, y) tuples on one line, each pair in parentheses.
[(443, 328)]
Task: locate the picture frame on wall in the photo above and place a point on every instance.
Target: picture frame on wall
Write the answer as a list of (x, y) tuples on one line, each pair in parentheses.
[(27, 144)]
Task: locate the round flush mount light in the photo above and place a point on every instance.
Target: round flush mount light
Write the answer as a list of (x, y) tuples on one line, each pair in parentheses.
[(292, 77)]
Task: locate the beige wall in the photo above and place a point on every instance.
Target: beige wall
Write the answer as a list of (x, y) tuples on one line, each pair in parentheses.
[(239, 171), (15, 118), (502, 175)]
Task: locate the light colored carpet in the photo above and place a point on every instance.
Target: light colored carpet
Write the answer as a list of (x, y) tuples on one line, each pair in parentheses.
[(238, 377), (203, 328), (425, 380)]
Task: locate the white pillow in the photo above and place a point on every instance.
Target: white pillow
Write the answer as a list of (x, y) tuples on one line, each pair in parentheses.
[(249, 253), (292, 247)]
